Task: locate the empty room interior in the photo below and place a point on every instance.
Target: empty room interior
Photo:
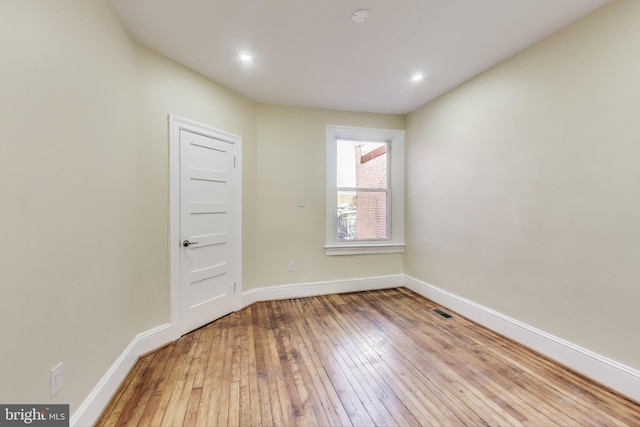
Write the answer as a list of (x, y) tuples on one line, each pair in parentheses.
[(508, 138)]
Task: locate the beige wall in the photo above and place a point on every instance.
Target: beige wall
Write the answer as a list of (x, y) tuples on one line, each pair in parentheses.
[(291, 152), (522, 189), (166, 87), (523, 186), (84, 187), (68, 186)]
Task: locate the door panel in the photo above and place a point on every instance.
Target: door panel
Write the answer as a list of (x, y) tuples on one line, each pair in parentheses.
[(207, 191)]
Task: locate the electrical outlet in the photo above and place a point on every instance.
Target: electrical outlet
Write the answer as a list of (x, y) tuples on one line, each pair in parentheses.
[(292, 265), (56, 378)]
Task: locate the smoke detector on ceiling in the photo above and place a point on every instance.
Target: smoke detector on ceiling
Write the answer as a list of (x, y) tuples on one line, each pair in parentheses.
[(360, 16)]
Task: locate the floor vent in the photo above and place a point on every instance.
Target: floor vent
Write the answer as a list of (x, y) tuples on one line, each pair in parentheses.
[(441, 313)]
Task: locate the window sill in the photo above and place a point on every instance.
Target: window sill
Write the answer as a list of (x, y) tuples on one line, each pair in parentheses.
[(364, 249)]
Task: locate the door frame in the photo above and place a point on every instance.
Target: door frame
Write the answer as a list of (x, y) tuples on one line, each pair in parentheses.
[(176, 124)]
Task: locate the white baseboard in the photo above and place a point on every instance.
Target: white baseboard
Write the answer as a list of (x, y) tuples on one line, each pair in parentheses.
[(89, 411), (618, 377), (309, 289)]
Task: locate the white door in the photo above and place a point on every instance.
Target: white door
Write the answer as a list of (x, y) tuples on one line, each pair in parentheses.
[(208, 240)]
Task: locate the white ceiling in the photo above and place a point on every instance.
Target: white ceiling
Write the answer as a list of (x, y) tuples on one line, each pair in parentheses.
[(310, 53)]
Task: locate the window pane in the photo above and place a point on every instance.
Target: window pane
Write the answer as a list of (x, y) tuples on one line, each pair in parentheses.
[(362, 215), (361, 164)]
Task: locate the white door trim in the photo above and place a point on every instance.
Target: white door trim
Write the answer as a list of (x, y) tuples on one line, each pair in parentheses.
[(175, 125)]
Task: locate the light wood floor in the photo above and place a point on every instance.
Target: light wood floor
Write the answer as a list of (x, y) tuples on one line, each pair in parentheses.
[(371, 358)]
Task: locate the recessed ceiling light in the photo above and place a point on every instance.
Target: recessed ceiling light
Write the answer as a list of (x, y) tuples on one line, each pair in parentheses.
[(245, 57), (417, 77), (360, 16)]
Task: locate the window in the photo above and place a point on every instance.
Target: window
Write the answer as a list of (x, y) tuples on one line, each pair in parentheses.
[(365, 191)]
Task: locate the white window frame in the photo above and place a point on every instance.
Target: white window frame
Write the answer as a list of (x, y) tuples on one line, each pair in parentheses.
[(395, 242)]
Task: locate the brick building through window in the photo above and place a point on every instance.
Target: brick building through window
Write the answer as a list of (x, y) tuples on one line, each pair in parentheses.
[(371, 206)]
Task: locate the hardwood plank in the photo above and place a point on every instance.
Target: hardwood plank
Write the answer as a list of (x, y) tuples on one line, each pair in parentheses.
[(245, 353), (322, 402), (370, 358), (472, 367), (281, 383), (132, 413), (283, 365), (179, 400), (311, 390), (109, 415), (223, 383), (431, 405), (192, 409), (261, 369), (344, 350), (556, 395), (512, 352), (234, 405), (169, 381), (329, 399), (315, 328), (128, 393), (208, 371), (251, 390), (150, 409), (469, 380), (302, 409), (396, 399), (422, 375)]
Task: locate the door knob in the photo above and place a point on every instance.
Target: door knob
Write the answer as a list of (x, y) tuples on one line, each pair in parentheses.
[(187, 243)]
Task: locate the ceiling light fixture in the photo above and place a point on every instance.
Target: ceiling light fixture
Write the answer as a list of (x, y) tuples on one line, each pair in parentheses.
[(417, 77), (360, 16), (245, 57)]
